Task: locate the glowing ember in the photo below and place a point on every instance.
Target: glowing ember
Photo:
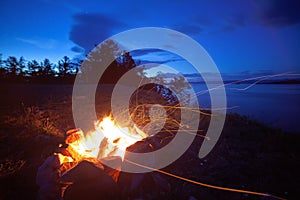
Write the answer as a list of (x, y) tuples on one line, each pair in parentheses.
[(107, 140), (63, 159)]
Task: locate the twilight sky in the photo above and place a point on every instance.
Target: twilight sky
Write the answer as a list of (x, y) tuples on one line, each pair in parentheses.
[(250, 36)]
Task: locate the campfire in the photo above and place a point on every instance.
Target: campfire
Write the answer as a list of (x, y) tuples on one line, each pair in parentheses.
[(108, 139), (96, 160), (83, 154)]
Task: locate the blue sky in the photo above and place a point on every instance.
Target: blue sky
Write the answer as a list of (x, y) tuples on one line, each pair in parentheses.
[(241, 36)]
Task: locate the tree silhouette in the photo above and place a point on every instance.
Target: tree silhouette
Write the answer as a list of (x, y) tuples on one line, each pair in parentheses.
[(1, 61), (65, 66), (22, 66), (108, 57), (20, 70), (12, 65), (98, 59), (3, 70), (47, 68), (34, 68)]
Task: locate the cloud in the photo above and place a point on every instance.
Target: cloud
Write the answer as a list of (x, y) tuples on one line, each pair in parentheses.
[(40, 43), (221, 23), (278, 13), (268, 13), (77, 49), (91, 29), (143, 52), (144, 61), (158, 56)]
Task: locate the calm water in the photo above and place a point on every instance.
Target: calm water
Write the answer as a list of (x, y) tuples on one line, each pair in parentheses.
[(276, 105)]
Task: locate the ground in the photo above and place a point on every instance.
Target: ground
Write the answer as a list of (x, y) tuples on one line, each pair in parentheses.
[(248, 156)]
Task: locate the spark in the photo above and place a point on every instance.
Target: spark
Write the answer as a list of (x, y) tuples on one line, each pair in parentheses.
[(171, 109)]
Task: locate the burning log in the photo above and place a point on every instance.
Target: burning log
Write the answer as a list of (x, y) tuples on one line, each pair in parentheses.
[(76, 170)]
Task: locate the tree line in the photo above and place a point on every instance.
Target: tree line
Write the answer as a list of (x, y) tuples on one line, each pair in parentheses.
[(14, 69), (19, 70)]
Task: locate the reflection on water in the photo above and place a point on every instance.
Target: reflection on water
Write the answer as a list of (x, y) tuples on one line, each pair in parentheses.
[(272, 104)]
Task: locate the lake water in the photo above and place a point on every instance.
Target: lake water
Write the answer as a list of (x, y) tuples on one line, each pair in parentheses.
[(272, 104)]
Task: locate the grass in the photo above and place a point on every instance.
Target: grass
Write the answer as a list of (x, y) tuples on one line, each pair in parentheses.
[(33, 118), (8, 167), (28, 137)]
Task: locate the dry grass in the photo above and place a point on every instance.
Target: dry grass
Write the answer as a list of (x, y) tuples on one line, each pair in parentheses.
[(33, 118), (10, 166)]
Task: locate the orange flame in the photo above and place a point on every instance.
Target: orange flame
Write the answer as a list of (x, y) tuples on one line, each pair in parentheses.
[(107, 139)]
